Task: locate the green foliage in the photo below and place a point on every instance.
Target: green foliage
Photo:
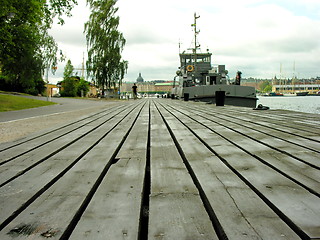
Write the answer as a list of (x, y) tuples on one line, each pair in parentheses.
[(68, 70), (82, 88), (73, 86), (26, 48), (265, 86), (40, 85), (69, 87), (105, 44), (5, 83), (267, 89)]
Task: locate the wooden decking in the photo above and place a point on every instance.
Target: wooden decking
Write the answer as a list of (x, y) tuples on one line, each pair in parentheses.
[(165, 169)]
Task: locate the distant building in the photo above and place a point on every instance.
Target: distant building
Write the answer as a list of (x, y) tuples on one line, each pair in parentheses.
[(151, 87), (289, 88), (140, 79), (51, 89), (164, 87)]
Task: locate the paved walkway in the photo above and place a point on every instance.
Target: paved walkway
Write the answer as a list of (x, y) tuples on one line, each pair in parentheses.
[(64, 105)]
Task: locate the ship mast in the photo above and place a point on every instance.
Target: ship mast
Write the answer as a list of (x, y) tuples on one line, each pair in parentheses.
[(194, 25), (82, 67)]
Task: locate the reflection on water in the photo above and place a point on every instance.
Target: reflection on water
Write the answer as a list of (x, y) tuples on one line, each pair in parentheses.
[(309, 104)]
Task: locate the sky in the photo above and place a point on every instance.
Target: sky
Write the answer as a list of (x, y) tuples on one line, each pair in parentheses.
[(261, 38)]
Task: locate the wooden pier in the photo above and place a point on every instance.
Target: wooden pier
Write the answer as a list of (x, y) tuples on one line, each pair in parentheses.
[(165, 169)]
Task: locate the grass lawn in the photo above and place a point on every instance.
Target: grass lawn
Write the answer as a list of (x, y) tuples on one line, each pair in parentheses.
[(12, 103)]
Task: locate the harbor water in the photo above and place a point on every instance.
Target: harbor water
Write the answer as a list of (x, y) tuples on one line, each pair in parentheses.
[(308, 104)]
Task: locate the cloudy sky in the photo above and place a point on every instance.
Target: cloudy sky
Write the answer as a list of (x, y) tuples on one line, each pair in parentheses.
[(254, 36)]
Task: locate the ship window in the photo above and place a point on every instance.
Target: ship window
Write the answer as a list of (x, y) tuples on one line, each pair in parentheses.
[(203, 59)]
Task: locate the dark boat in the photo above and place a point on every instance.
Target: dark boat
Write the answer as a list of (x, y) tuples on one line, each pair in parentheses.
[(302, 93), (273, 94)]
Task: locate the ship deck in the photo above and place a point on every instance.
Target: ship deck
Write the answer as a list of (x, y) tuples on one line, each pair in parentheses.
[(165, 169)]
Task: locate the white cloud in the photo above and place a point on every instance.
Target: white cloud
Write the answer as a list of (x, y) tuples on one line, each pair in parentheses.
[(253, 36)]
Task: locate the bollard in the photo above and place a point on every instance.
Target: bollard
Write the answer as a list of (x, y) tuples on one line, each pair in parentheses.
[(186, 96), (220, 97)]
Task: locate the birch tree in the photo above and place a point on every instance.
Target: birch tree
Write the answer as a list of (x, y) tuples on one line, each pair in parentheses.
[(105, 44)]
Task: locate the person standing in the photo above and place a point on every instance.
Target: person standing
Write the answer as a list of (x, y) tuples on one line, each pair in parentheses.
[(134, 90), (238, 78)]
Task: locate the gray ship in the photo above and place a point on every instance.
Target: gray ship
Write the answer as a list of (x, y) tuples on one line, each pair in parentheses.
[(200, 81)]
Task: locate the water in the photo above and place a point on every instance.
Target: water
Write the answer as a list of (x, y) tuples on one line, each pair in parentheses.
[(308, 104)]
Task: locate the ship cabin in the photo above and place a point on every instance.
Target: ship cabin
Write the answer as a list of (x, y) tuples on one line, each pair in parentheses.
[(199, 63), (196, 69)]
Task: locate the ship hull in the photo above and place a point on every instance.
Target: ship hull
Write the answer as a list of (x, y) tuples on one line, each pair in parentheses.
[(231, 100), (235, 95)]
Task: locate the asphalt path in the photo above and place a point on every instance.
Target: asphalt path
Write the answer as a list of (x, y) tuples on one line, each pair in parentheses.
[(63, 105)]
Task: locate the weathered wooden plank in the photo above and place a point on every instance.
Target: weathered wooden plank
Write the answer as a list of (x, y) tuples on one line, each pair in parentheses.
[(196, 185), (253, 121), (34, 141), (23, 162), (286, 195), (274, 120), (20, 190), (176, 210), (69, 193), (177, 216), (301, 172), (235, 122), (247, 141), (284, 117), (242, 214), (114, 211)]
